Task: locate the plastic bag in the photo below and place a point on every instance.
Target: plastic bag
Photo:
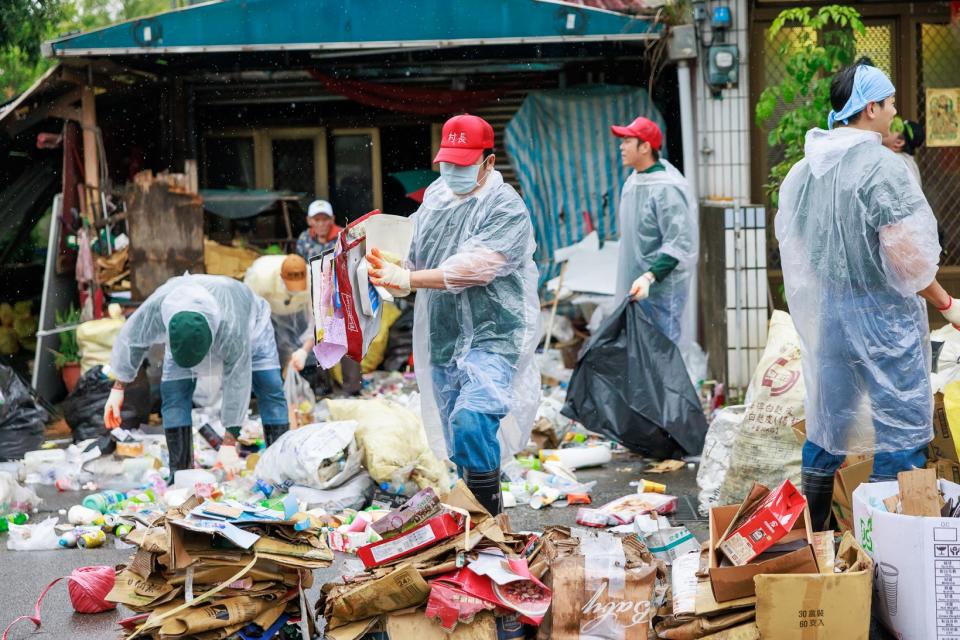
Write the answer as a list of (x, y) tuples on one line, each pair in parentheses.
[(352, 283), (83, 408), (631, 385), (717, 451), (299, 396), (392, 438), (767, 449), (34, 537), (14, 497), (350, 495), (95, 338), (22, 418), (321, 456)]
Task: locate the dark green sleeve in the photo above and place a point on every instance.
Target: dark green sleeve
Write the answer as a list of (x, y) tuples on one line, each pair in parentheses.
[(662, 266)]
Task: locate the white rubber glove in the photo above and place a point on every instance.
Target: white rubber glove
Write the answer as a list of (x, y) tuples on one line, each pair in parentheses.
[(299, 359), (951, 313), (641, 286), (385, 274), (111, 411)]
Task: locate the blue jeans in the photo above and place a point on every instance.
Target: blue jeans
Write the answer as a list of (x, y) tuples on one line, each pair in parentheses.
[(177, 400), (886, 465), (472, 396)]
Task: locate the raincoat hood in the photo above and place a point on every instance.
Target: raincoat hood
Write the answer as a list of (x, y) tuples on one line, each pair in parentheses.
[(824, 149), (191, 297)]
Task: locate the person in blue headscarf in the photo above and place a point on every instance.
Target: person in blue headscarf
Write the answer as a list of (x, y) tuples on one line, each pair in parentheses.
[(859, 248)]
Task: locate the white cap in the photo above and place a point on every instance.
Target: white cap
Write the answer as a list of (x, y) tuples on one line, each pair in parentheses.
[(318, 207)]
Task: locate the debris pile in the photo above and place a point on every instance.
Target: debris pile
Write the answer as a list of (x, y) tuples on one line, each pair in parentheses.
[(213, 569)]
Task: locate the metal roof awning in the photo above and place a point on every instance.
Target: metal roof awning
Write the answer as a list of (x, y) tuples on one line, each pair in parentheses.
[(313, 25), (237, 204)]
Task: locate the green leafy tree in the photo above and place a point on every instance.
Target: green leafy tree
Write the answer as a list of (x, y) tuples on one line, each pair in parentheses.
[(820, 44), (26, 24)]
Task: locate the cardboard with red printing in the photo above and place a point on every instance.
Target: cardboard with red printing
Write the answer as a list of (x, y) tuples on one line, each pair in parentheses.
[(431, 532), (759, 527)]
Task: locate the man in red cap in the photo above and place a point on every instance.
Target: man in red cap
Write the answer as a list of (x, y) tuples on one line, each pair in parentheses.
[(658, 229), (475, 321)]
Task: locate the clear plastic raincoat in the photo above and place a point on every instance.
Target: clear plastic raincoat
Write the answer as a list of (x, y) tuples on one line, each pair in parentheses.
[(658, 214), (858, 241), (484, 324), (239, 320), (290, 311)]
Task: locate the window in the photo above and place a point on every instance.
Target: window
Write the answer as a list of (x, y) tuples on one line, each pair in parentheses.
[(356, 181)]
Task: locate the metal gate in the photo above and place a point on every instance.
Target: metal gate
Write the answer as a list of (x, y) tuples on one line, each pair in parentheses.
[(939, 67)]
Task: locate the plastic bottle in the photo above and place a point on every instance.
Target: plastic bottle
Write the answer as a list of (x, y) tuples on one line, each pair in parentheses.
[(12, 518), (67, 483), (102, 501), (578, 457), (530, 463), (81, 515), (69, 539)]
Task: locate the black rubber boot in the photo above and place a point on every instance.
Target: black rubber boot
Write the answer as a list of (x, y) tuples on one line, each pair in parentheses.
[(485, 486), (179, 448), (272, 432), (818, 489)]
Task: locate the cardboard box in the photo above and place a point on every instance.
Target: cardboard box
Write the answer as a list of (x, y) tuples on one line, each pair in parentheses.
[(850, 476), (917, 586), (946, 469), (730, 582), (819, 606), (429, 533), (584, 608), (760, 525), (944, 444)]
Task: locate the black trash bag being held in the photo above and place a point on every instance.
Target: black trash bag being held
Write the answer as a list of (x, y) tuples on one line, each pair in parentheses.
[(631, 385), (22, 417)]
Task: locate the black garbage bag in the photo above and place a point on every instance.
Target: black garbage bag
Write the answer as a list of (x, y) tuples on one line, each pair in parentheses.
[(83, 408), (22, 416), (631, 385)]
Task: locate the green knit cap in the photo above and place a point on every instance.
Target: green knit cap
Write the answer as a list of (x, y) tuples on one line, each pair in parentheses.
[(189, 338)]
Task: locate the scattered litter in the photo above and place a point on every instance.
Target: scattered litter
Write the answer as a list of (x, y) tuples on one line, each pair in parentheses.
[(666, 466)]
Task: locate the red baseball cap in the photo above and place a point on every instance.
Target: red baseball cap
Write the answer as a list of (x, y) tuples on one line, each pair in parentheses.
[(464, 139), (643, 128)]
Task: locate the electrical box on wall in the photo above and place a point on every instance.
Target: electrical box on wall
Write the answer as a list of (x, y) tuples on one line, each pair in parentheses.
[(723, 65)]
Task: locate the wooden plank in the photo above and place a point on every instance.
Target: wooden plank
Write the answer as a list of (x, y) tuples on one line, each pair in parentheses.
[(165, 225), (918, 493), (712, 283), (91, 157)]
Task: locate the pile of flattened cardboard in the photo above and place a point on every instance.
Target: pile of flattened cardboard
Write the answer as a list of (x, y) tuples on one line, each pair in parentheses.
[(210, 570), (449, 570)]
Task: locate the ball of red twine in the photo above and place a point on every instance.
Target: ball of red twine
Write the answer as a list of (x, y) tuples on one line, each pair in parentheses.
[(88, 588)]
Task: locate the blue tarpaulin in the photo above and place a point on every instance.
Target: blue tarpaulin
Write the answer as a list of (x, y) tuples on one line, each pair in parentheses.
[(568, 162)]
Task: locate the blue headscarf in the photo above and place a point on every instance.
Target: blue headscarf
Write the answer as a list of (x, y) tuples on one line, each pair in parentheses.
[(869, 85)]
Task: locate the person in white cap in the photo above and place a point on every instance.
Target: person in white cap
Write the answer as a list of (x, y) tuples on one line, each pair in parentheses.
[(321, 232)]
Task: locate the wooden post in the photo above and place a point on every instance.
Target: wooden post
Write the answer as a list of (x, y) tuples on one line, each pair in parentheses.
[(291, 243), (91, 164)]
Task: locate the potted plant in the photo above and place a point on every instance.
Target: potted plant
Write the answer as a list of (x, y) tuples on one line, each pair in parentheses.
[(67, 357)]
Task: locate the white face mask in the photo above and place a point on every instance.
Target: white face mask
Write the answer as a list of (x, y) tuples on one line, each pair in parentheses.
[(461, 180)]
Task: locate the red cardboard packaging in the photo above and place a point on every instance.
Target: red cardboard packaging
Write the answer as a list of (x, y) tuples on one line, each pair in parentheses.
[(453, 596), (759, 527), (429, 533)]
